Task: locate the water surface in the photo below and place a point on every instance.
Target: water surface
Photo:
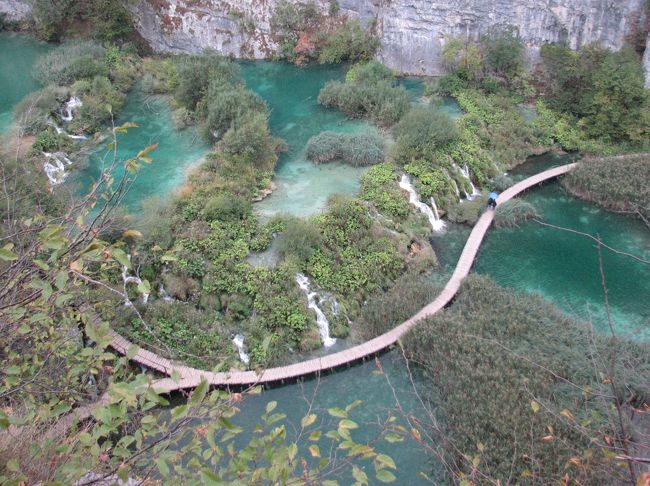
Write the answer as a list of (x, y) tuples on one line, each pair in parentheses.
[(18, 54), (176, 151)]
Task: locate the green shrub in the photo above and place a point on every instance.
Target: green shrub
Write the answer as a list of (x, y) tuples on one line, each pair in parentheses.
[(71, 62), (367, 94), (156, 221), (226, 207), (387, 309), (513, 212), (299, 239), (355, 149), (467, 212), (36, 110), (349, 42), (250, 140), (227, 106), (49, 141), (422, 132), (618, 183), (535, 378), (379, 186), (604, 89)]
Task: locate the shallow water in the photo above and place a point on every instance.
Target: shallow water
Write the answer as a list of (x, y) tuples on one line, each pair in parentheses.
[(176, 151), (291, 93), (18, 54)]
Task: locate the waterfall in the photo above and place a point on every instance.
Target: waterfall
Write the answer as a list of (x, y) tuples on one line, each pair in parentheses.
[(72, 104), (435, 208), (127, 279), (162, 293), (54, 167), (465, 172), (238, 340), (321, 320), (436, 223), (60, 131)]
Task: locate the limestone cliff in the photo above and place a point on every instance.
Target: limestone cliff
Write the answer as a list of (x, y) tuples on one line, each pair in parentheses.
[(15, 9), (412, 32)]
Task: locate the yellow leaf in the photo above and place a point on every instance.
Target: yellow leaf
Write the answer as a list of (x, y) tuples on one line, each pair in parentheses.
[(535, 406), (567, 413), (416, 435), (308, 420), (77, 266), (132, 234), (314, 450)]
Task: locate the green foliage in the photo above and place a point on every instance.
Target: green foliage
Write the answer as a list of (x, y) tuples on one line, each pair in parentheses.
[(107, 20), (355, 149), (604, 89), (387, 309), (300, 239), (619, 183), (349, 42), (49, 141), (365, 95), (513, 212), (353, 260), (467, 212), (72, 61), (379, 186), (226, 207), (250, 141), (36, 109), (422, 132), (535, 378), (504, 53)]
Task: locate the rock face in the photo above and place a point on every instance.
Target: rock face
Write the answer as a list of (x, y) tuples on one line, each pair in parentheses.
[(15, 9), (412, 32), (646, 62)]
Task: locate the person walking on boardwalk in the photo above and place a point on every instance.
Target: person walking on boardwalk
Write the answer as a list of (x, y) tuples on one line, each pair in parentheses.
[(492, 200)]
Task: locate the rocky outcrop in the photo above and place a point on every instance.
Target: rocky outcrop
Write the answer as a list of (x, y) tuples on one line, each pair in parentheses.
[(646, 62), (15, 10), (412, 32)]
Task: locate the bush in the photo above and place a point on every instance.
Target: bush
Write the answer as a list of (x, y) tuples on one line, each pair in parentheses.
[(226, 207), (71, 62), (251, 142), (513, 212), (49, 141), (422, 132), (379, 186), (618, 183), (195, 74), (367, 94), (299, 239), (387, 309), (510, 351), (226, 106), (355, 149), (604, 89), (467, 212), (36, 110), (156, 221), (349, 42)]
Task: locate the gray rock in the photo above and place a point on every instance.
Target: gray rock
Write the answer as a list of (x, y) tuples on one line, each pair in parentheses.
[(15, 9), (412, 32)]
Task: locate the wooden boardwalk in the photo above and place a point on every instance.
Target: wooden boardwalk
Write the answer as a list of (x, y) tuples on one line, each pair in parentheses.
[(191, 377)]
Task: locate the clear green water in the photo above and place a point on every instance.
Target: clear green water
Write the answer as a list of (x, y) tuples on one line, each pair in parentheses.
[(18, 54), (291, 93), (176, 151), (563, 267), (383, 394)]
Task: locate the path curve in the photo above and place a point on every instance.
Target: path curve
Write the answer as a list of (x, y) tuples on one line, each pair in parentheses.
[(190, 377)]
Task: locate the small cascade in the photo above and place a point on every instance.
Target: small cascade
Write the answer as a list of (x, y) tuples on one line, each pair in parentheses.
[(465, 172), (162, 293), (435, 209), (436, 223), (238, 341), (60, 131), (70, 106), (456, 190), (55, 168), (321, 320), (127, 279)]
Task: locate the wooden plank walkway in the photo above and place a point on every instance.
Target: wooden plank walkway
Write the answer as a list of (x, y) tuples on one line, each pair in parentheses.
[(191, 377)]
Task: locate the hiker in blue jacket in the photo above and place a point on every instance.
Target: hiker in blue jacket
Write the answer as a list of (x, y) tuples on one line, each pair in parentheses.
[(492, 200)]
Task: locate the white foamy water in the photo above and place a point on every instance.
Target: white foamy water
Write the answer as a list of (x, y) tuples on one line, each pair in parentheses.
[(54, 167), (127, 279), (238, 341), (321, 321), (465, 172), (434, 219), (70, 106)]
